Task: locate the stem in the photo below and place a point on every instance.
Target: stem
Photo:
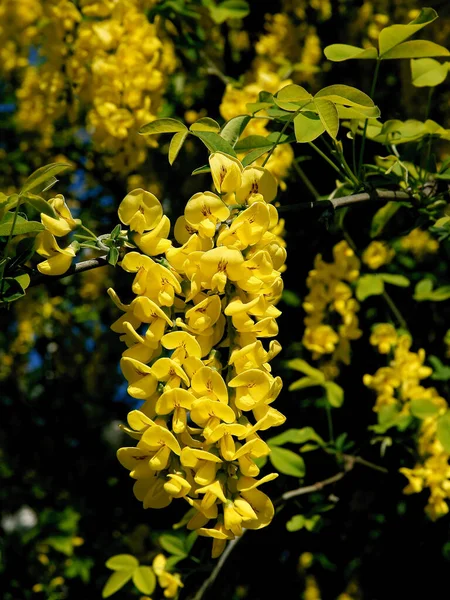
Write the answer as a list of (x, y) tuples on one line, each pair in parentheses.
[(346, 166), (5, 252), (330, 422), (428, 107), (211, 579), (306, 180), (329, 161), (349, 200), (366, 122), (315, 487), (280, 135), (85, 265), (395, 311), (91, 234)]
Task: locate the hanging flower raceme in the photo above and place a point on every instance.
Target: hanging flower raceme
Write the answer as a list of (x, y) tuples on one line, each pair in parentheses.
[(195, 355), (330, 296), (400, 397)]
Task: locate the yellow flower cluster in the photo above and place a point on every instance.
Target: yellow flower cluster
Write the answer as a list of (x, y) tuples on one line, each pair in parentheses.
[(330, 296), (18, 30), (101, 57), (377, 254), (194, 351), (399, 384), (419, 243)]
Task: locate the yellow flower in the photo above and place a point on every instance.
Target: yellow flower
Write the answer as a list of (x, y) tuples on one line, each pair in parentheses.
[(58, 259), (220, 264), (204, 210), (257, 183), (252, 388), (419, 243), (226, 172), (377, 254), (384, 336), (155, 242), (63, 223), (140, 210)]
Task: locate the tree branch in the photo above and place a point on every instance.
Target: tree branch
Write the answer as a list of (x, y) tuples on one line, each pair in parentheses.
[(376, 195), (85, 265)]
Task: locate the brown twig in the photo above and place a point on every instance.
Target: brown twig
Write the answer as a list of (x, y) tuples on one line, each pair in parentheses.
[(85, 265), (388, 195)]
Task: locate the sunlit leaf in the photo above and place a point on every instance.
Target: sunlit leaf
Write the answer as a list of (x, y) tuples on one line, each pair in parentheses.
[(340, 52), (233, 130), (144, 579), (396, 34), (37, 181), (328, 115), (115, 582), (307, 127), (214, 142), (205, 124), (162, 126), (122, 562), (287, 462), (416, 49), (427, 72), (176, 144)]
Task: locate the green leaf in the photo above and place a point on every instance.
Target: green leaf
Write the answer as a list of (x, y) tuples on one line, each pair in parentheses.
[(233, 130), (392, 36), (291, 298), (12, 290), (38, 181), (176, 144), (296, 523), (39, 204), (441, 293), (292, 97), (369, 285), (113, 256), (298, 364), (23, 280), (214, 142), (335, 394), (189, 541), (352, 112), (416, 49), (205, 124), (427, 72), (7, 203), (201, 170), (302, 383), (423, 289), (399, 280), (441, 372), (61, 544), (162, 126), (21, 226), (122, 562), (252, 141), (116, 581), (307, 127), (345, 95), (254, 107), (443, 431), (423, 408), (294, 93), (229, 9), (254, 155), (144, 579), (328, 115), (172, 544), (287, 462), (340, 52), (295, 436), (382, 217)]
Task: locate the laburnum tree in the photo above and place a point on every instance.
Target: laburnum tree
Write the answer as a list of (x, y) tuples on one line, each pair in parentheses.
[(236, 296)]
